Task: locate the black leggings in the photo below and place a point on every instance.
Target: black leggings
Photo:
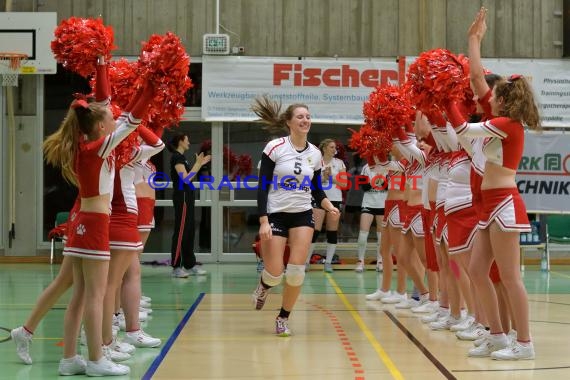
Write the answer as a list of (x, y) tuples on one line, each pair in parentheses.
[(182, 249)]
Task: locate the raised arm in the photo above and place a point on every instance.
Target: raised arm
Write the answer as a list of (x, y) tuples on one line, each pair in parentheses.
[(128, 121), (152, 145), (408, 147), (102, 85), (475, 35)]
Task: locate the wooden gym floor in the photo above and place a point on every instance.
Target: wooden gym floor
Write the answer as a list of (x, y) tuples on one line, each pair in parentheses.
[(210, 330)]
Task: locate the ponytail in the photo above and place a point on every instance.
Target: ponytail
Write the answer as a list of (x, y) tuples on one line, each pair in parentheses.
[(60, 148), (269, 111)]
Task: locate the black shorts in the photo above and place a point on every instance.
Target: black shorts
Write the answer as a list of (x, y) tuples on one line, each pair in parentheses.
[(373, 211), (281, 222), (351, 209), (337, 204)]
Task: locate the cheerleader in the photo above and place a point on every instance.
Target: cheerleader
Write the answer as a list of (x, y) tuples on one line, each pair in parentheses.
[(83, 148), (372, 209), (418, 201), (126, 245), (394, 210), (504, 215), (289, 175)]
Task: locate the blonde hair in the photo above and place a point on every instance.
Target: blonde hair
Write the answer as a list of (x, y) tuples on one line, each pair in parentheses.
[(269, 111), (61, 147), (518, 100), (324, 143)]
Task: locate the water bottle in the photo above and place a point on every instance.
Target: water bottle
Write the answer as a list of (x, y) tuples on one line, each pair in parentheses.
[(535, 235), (523, 238)]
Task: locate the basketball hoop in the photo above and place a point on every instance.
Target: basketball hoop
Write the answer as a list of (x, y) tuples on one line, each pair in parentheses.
[(12, 62)]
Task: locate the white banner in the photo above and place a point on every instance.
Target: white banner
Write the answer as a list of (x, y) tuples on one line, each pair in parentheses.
[(335, 89), (550, 79), (543, 178)]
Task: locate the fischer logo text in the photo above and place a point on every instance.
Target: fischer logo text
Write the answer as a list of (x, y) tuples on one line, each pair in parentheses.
[(343, 76)]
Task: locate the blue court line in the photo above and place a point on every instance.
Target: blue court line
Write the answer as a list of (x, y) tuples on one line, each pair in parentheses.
[(158, 360)]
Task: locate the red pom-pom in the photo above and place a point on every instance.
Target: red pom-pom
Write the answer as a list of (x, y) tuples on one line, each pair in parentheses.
[(437, 77), (123, 76), (244, 164), (230, 160), (387, 108), (340, 151), (370, 142), (79, 41), (124, 151), (206, 146), (164, 62), (116, 110)]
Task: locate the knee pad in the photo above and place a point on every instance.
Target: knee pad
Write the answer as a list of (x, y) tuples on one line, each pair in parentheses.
[(270, 280), (315, 236), (295, 274), (363, 238), (332, 237)]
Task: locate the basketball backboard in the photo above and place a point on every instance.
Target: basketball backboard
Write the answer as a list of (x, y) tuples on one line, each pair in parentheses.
[(29, 33)]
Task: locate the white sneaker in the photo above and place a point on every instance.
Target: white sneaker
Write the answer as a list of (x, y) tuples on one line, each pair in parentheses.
[(120, 322), (146, 310), (196, 271), (378, 295), (474, 332), (426, 307), (464, 324), (407, 304), (141, 339), (146, 299), (395, 297), (516, 351), (359, 267), (379, 267), (480, 341), (492, 343), (145, 304), (512, 335), (179, 273), (143, 316), (439, 314), (444, 323), (72, 366), (105, 367), (127, 348), (114, 355), (23, 339)]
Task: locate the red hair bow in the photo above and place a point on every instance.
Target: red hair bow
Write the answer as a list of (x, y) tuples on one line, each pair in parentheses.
[(514, 77), (79, 103)]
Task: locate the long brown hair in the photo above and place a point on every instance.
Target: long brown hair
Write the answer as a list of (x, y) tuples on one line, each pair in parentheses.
[(518, 101), (269, 111), (61, 147)]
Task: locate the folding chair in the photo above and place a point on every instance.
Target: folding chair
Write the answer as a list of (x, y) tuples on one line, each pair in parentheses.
[(56, 234)]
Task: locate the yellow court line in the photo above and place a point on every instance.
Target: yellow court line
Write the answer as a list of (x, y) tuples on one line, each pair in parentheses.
[(396, 374), (560, 274)]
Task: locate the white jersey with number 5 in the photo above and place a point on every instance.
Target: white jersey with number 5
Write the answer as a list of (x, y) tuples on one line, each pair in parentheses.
[(290, 187)]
